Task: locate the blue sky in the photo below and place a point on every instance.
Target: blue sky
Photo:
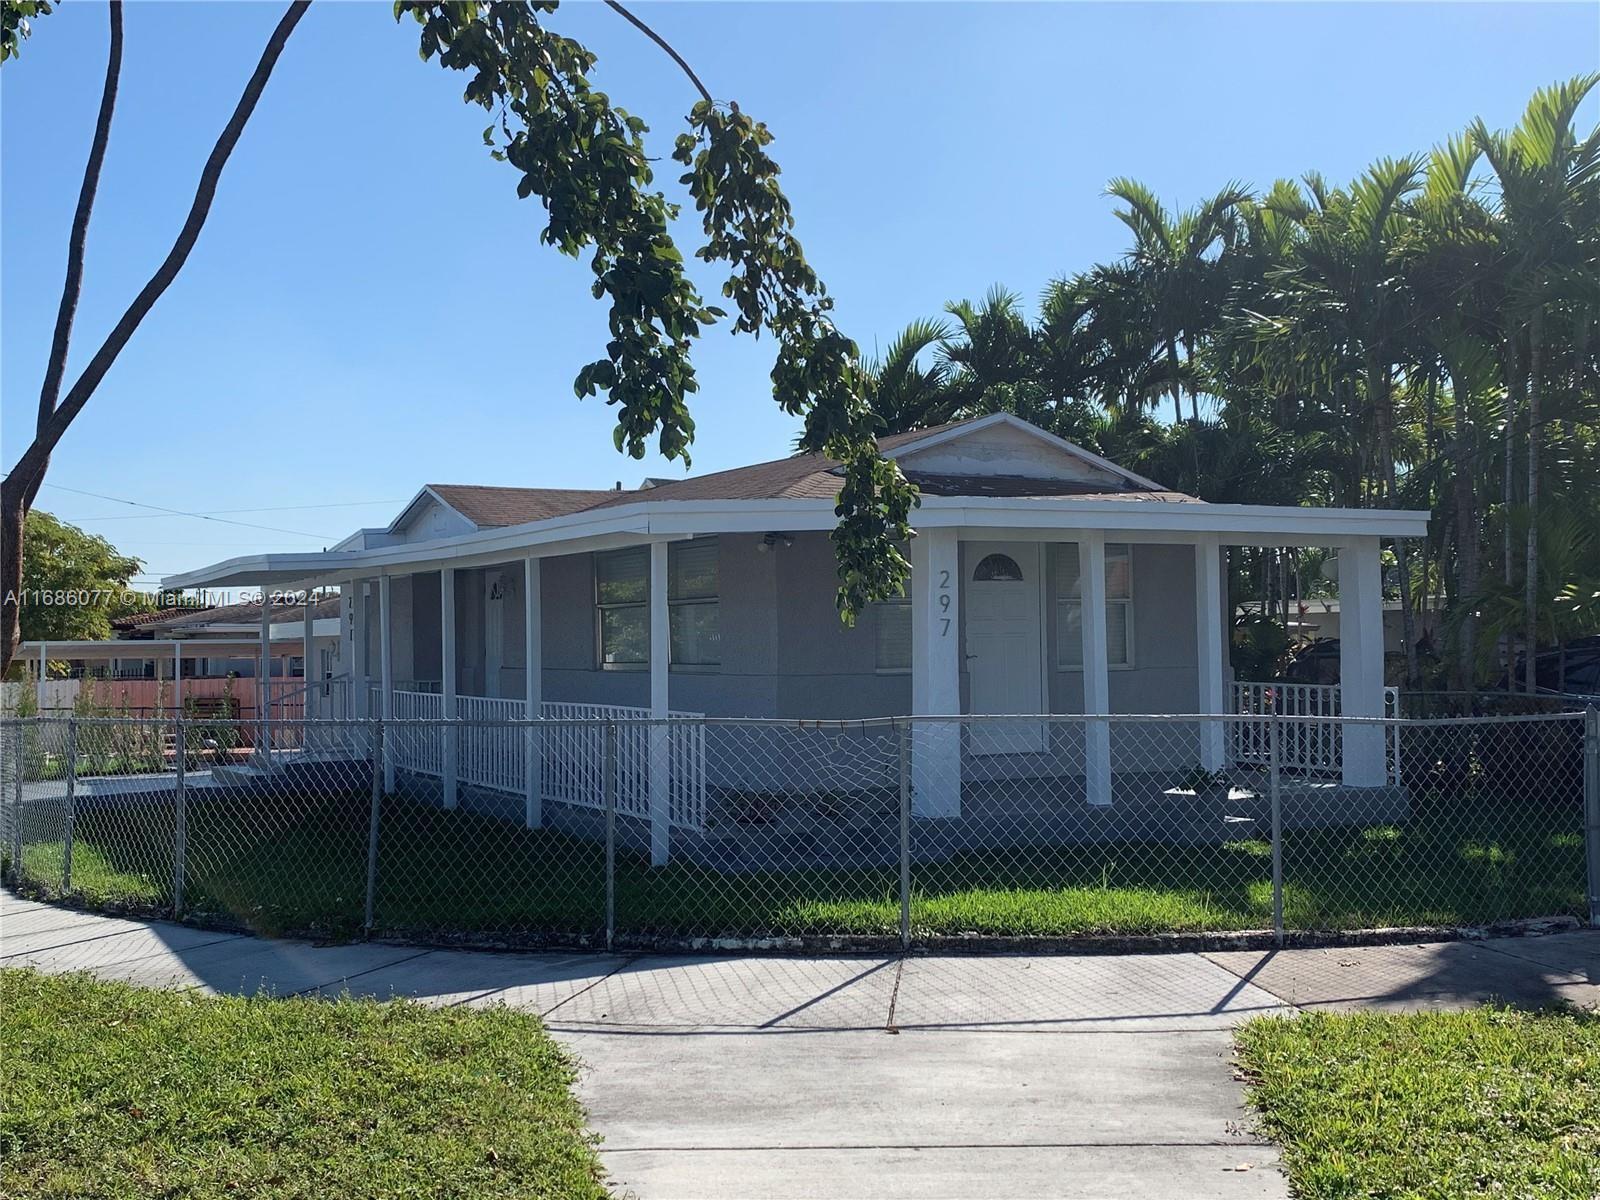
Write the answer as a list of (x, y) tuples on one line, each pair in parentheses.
[(369, 308)]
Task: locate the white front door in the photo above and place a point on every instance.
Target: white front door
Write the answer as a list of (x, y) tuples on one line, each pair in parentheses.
[(1005, 654)]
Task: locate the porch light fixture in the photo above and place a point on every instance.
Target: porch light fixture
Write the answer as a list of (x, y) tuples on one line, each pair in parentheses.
[(776, 539)]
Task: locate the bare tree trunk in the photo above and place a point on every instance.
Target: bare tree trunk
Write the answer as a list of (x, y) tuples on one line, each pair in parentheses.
[(1514, 387), (28, 472), (18, 500), (11, 571), (1530, 583), (72, 285), (1380, 388), (1172, 381), (1469, 549)]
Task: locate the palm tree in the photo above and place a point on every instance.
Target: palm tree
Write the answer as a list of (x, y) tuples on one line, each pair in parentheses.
[(992, 347), (1179, 281), (910, 384), (1346, 317), (1452, 268), (1546, 178)]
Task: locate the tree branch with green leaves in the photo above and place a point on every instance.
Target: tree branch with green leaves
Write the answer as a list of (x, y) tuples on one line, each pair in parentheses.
[(585, 159)]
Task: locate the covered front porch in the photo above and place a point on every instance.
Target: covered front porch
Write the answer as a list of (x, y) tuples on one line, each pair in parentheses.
[(1050, 622)]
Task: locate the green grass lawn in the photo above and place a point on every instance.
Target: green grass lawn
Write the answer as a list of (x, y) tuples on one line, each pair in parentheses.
[(298, 865), (115, 1091), (1434, 1106)]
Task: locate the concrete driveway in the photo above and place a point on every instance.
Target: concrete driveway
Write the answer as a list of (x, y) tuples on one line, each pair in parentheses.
[(925, 1077)]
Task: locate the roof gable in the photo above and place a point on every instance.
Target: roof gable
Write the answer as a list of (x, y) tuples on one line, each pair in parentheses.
[(495, 507), (429, 516), (1004, 445), (994, 455)]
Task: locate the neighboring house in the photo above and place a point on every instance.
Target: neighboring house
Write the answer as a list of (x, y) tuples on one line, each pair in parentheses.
[(1045, 580), (230, 636), (203, 648)]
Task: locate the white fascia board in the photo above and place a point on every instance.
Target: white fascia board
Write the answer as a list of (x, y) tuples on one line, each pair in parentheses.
[(467, 549), (1175, 517), (261, 570), (647, 520)]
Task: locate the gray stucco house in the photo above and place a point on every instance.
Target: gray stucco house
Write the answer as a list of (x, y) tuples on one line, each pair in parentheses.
[(1046, 580)]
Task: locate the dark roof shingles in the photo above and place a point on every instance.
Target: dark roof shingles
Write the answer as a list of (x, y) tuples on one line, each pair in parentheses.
[(797, 477)]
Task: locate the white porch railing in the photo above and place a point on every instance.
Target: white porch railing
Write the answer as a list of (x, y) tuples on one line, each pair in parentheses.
[(417, 748), (491, 756), (574, 761), (572, 767), (1314, 747)]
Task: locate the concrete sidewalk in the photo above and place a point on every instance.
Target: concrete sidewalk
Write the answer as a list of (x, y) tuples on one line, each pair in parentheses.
[(925, 1077)]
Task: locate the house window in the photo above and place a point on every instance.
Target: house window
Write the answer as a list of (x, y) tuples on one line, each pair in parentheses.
[(622, 602), (622, 593), (997, 568), (693, 614), (1119, 607), (893, 620)]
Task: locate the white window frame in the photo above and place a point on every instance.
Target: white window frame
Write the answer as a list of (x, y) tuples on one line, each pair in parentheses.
[(714, 600), (879, 608), (1113, 549)]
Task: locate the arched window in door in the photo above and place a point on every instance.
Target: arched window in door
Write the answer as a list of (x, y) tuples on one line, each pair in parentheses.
[(997, 568)]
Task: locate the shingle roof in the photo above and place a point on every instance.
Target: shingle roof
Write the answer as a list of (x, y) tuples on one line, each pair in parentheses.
[(816, 477), (492, 507), (191, 619), (135, 620), (797, 477)]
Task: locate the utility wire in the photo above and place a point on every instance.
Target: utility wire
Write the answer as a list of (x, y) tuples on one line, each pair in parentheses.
[(217, 511), (178, 512)]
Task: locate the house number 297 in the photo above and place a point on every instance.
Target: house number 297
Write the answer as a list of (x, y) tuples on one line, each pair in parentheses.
[(944, 603)]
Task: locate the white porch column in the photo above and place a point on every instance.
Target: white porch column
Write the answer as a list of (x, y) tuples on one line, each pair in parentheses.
[(447, 683), (360, 659), (1096, 673), (532, 692), (1210, 643), (38, 686), (386, 676), (264, 684), (660, 660), (177, 677), (1361, 660), (308, 655), (936, 672)]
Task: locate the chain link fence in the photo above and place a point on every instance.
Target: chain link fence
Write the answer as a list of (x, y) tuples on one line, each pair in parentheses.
[(766, 834)]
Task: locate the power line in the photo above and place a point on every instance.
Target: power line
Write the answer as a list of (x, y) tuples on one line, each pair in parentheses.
[(216, 511), (178, 512)]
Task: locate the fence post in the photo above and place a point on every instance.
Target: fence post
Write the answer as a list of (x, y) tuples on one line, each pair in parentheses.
[(72, 803), (905, 836), (180, 825), (372, 826), (19, 764), (609, 786), (1591, 808), (1275, 760)]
